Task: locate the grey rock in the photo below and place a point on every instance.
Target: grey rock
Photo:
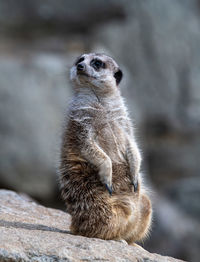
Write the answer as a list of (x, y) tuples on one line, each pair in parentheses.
[(30, 232), (157, 47), (33, 91)]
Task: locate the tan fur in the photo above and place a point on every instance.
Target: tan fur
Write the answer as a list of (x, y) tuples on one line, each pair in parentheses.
[(99, 149)]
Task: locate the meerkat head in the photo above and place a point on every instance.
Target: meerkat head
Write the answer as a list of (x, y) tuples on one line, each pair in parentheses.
[(98, 70)]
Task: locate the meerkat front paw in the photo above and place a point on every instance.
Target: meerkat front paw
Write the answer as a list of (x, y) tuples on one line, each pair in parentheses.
[(135, 183), (105, 174), (134, 160)]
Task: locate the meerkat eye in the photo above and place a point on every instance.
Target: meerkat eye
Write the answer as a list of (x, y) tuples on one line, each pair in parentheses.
[(97, 64), (81, 59)]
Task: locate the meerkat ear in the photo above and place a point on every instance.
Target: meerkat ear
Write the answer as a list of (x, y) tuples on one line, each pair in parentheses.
[(118, 76)]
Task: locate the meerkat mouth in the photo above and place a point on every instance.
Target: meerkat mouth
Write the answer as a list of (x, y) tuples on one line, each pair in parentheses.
[(85, 74), (82, 74)]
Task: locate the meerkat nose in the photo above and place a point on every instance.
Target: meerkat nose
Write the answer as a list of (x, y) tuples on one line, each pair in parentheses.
[(80, 67)]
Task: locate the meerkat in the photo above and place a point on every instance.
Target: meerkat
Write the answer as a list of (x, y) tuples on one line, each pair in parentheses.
[(100, 161)]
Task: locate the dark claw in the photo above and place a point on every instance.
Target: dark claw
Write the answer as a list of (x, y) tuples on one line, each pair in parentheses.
[(135, 185), (109, 189)]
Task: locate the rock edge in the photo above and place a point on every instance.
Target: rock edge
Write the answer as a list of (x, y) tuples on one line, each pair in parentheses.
[(31, 232)]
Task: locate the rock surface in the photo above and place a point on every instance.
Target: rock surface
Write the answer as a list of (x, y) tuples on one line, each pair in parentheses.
[(33, 93), (31, 232)]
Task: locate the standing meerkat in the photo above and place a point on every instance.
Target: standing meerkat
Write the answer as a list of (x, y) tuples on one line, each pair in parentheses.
[(100, 161)]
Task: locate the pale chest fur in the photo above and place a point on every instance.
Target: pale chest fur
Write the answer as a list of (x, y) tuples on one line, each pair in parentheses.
[(106, 122), (110, 133)]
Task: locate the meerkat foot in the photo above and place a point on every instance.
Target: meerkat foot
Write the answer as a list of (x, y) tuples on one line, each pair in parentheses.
[(136, 245)]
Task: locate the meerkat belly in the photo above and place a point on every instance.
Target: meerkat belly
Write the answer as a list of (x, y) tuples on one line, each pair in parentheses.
[(111, 138)]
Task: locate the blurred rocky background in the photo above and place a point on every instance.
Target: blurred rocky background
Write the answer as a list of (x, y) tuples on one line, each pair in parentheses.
[(157, 45)]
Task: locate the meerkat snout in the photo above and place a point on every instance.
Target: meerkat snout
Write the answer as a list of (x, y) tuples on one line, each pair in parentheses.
[(80, 67)]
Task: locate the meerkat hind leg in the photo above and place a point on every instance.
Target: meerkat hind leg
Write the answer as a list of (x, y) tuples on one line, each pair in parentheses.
[(109, 224), (141, 229)]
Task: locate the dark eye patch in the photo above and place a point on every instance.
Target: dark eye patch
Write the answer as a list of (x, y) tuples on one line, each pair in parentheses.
[(81, 59), (97, 64)]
